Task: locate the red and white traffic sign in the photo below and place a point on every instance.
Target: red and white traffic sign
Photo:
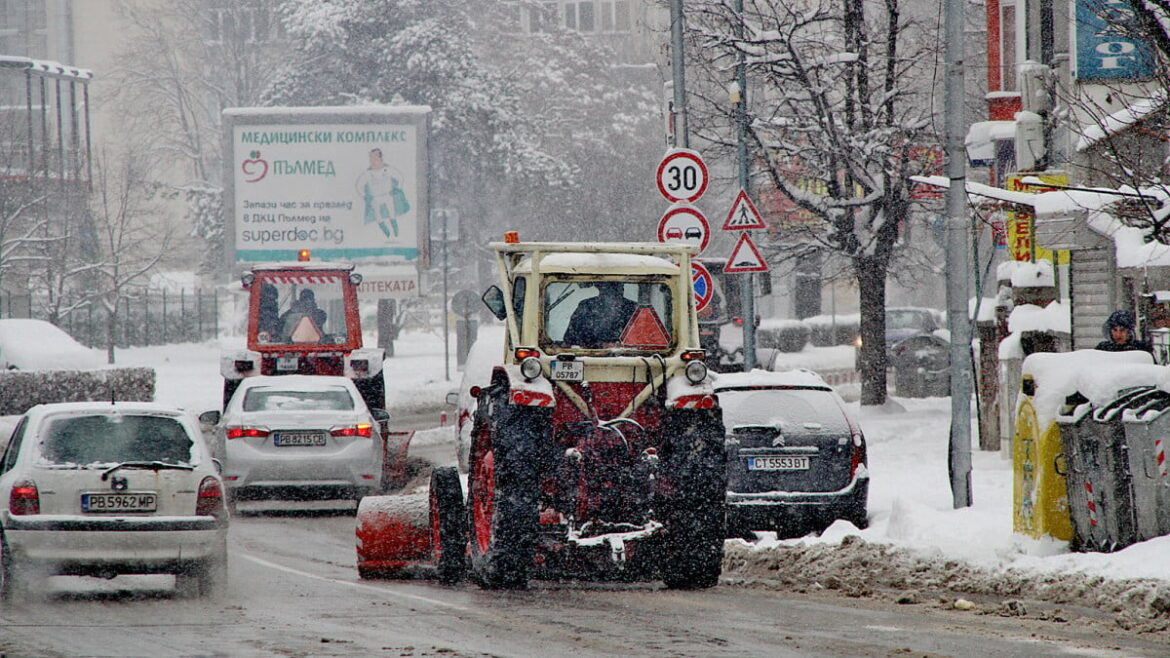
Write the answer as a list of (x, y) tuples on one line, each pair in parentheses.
[(743, 215), (686, 224), (703, 285), (682, 176), (745, 257)]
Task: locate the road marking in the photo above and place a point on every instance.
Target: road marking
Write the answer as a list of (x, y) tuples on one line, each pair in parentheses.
[(357, 585)]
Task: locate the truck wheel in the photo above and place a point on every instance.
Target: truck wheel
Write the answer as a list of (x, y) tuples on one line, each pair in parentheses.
[(502, 496), (694, 514), (448, 535)]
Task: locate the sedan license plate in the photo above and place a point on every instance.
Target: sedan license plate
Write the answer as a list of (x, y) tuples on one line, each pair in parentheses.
[(119, 502), (298, 438), (778, 463), (568, 371), (288, 362)]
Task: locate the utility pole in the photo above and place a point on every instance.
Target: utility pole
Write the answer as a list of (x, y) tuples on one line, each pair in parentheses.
[(682, 138), (749, 296), (958, 260)]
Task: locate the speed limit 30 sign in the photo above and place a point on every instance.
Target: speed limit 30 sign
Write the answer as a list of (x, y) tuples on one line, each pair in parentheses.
[(682, 176)]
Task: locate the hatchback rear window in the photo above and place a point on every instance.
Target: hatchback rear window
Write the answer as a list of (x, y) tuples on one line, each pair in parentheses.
[(268, 399), (115, 439), (787, 408)]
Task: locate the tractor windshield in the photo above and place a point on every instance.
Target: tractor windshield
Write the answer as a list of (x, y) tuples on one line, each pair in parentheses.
[(591, 314), (300, 309)]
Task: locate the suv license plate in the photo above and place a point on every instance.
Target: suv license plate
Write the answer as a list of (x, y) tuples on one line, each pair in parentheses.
[(777, 463), (568, 371), (288, 362), (298, 438), (119, 502)]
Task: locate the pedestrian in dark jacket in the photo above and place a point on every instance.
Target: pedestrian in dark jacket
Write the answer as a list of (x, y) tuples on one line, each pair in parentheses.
[(1119, 332)]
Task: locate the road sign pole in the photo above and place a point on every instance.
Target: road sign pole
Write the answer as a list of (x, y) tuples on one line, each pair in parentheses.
[(446, 299), (749, 306)]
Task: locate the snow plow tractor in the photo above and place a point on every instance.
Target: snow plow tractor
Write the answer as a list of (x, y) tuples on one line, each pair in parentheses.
[(303, 319), (597, 448)]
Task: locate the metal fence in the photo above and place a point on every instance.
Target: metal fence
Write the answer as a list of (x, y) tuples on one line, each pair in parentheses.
[(149, 317)]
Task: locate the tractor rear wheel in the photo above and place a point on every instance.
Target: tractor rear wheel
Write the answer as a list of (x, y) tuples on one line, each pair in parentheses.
[(695, 516), (448, 534), (502, 496)]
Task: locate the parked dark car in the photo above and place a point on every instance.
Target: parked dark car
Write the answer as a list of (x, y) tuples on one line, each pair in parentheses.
[(796, 461)]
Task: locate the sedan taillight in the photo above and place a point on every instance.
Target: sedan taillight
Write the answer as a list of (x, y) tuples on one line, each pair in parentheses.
[(246, 432), (857, 452), (24, 499), (363, 429), (210, 499)]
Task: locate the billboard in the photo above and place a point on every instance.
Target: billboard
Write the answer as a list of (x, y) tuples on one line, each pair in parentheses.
[(347, 183), (1107, 48)]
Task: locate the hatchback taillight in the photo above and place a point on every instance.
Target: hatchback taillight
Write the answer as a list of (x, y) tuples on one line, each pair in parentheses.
[(246, 432), (24, 499), (857, 452), (210, 499), (362, 429)]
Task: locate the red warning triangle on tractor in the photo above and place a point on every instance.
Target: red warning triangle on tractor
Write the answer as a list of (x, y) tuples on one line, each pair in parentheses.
[(743, 215), (745, 257), (645, 330)]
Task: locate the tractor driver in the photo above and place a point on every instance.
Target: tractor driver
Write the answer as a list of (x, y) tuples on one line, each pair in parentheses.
[(600, 320)]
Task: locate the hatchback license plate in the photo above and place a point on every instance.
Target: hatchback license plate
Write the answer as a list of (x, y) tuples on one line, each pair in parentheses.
[(119, 502), (298, 438), (786, 463), (568, 371)]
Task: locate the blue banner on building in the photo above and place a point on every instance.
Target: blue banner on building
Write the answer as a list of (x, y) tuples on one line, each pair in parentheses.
[(1106, 47)]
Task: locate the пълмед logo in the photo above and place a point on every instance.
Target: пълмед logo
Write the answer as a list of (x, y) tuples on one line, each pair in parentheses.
[(254, 167)]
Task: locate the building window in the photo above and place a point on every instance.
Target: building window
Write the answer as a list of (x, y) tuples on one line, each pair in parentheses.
[(254, 24), (579, 15), (23, 30)]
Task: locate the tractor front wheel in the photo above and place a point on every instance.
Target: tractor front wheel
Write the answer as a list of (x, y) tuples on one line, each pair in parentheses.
[(503, 489), (696, 464)]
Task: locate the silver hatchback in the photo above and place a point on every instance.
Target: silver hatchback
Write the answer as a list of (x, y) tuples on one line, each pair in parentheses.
[(299, 437)]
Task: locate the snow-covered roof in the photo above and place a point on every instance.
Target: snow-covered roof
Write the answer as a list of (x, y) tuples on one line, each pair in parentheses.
[(1029, 317), (765, 378), (1129, 242), (986, 308), (1121, 120), (579, 263), (40, 345), (983, 135), (1033, 275)]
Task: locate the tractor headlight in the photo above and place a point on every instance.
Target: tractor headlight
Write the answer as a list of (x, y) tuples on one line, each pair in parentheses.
[(530, 368), (696, 371)]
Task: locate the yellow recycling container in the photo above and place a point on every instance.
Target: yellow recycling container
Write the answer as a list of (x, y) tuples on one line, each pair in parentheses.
[(1039, 492)]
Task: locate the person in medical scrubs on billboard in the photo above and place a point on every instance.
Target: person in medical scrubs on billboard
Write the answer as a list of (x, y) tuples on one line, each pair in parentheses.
[(380, 188)]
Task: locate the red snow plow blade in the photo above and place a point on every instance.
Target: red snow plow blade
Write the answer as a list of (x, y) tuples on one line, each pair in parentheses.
[(393, 535)]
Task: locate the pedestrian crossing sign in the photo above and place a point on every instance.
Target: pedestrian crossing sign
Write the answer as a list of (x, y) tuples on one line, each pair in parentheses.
[(743, 215)]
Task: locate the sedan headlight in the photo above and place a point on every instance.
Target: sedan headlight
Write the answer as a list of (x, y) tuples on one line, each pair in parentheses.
[(696, 371), (530, 368)]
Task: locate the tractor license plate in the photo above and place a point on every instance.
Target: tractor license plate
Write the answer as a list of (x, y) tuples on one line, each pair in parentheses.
[(288, 362), (298, 438), (568, 371), (119, 502), (785, 463)]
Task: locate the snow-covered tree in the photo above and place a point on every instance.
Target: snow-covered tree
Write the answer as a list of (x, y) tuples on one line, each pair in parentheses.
[(838, 112), (183, 62), (537, 132)]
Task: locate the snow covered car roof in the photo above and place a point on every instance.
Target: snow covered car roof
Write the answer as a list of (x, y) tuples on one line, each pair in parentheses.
[(299, 382), (104, 407), (799, 378), (39, 345)]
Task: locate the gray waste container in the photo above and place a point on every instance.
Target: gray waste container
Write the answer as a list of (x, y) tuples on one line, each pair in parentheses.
[(1096, 470), (1147, 437)]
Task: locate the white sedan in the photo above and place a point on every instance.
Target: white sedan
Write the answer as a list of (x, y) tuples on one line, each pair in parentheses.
[(299, 437), (103, 489)]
